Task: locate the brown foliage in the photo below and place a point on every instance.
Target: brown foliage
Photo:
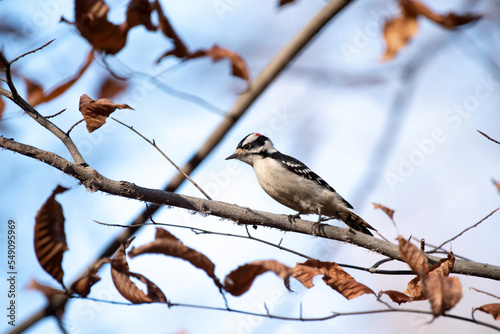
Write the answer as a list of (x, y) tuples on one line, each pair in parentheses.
[(240, 280), (83, 285), (50, 240), (333, 275), (36, 95), (95, 113), (121, 274), (400, 30), (167, 244), (413, 256), (434, 284), (493, 309), (389, 212)]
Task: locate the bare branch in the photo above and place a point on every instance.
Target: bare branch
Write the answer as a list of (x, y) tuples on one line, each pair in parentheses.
[(493, 140), (94, 181), (16, 98), (166, 157), (486, 293), (468, 228), (301, 318), (32, 51), (56, 114)]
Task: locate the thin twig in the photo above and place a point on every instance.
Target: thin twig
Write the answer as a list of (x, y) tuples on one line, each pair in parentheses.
[(33, 113), (371, 270), (73, 126), (468, 228), (30, 52), (56, 114), (493, 140), (300, 318), (166, 157), (486, 293)]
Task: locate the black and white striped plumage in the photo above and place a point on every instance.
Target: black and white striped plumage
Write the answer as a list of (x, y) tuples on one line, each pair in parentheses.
[(293, 184)]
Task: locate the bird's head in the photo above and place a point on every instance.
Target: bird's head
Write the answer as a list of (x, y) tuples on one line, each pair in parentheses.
[(252, 147)]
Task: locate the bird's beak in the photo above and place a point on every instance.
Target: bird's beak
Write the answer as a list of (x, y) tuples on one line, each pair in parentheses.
[(236, 154)]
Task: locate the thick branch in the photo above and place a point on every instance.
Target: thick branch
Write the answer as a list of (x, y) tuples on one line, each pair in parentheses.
[(94, 181)]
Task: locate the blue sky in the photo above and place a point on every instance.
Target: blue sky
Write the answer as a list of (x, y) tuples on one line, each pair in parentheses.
[(375, 134)]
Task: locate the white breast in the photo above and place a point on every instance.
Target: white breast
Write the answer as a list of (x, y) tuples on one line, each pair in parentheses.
[(294, 191)]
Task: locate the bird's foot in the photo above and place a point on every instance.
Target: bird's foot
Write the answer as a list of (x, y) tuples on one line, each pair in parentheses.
[(291, 218)]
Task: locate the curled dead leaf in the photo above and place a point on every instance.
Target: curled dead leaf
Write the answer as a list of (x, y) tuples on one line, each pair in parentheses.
[(167, 244), (2, 107), (95, 113), (497, 184), (396, 296), (387, 211), (139, 13), (121, 274), (83, 285), (91, 20), (180, 49), (48, 291), (413, 256), (443, 292), (111, 87), (238, 67), (333, 275), (397, 33), (493, 309), (400, 30), (239, 280), (50, 240)]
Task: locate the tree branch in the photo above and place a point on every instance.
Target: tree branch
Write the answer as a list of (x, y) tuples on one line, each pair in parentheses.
[(17, 99), (94, 181)]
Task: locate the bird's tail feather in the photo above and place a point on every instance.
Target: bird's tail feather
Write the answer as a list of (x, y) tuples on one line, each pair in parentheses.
[(355, 222)]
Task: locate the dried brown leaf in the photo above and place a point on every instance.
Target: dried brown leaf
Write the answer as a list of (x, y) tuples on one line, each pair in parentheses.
[(139, 13), (34, 92), (413, 256), (493, 309), (180, 50), (50, 240), (240, 280), (443, 292), (48, 291), (333, 275), (497, 184), (441, 268), (167, 244), (91, 20), (238, 66), (37, 96), (111, 87), (305, 272), (414, 289), (389, 212), (399, 30), (83, 285), (396, 296), (449, 21), (284, 2), (2, 107), (120, 274), (95, 113), (444, 266), (397, 33)]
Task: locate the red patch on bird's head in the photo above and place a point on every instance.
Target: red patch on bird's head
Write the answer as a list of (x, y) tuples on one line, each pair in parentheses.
[(258, 134)]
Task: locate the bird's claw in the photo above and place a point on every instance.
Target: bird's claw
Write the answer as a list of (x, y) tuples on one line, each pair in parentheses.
[(291, 218)]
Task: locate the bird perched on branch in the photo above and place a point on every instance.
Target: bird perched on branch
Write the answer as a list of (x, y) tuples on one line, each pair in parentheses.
[(293, 184)]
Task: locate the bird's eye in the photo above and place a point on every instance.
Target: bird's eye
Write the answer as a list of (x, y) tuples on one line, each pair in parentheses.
[(246, 146)]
